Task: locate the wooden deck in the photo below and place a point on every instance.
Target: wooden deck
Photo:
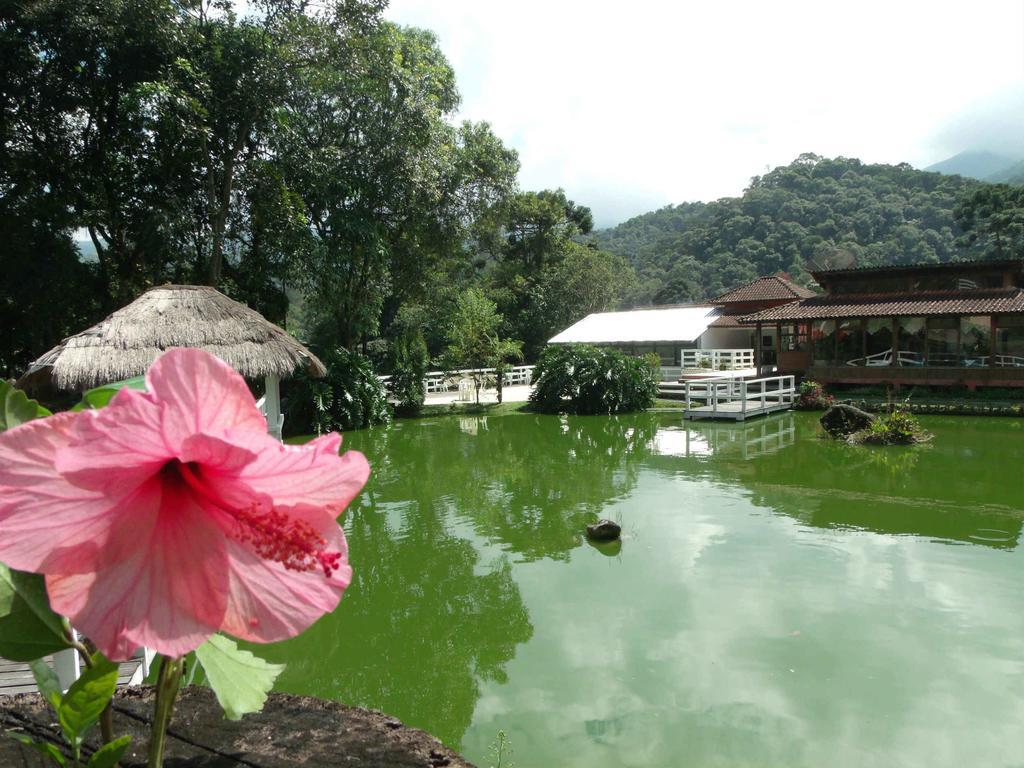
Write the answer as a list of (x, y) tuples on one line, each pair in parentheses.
[(735, 410), (16, 677), (737, 399)]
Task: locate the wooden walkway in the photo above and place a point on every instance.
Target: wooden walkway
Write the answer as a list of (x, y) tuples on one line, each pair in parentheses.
[(16, 677)]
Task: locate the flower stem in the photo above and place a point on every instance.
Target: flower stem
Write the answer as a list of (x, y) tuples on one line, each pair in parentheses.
[(166, 692), (86, 650)]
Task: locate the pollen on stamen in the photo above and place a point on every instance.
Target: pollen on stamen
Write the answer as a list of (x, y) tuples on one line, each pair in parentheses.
[(293, 543)]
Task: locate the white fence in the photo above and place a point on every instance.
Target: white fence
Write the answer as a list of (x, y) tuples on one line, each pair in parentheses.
[(718, 359), (448, 381), (740, 395), (908, 359)]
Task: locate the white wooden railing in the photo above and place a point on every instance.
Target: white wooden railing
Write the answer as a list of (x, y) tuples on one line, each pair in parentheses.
[(753, 395), (906, 358), (447, 381), (718, 359)]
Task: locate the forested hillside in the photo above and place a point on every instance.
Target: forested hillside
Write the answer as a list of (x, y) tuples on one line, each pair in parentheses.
[(813, 211)]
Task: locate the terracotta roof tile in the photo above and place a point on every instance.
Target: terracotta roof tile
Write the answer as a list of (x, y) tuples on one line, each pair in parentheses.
[(956, 302), (729, 318), (769, 288)]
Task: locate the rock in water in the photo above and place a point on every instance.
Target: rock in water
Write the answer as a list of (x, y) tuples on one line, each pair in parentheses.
[(842, 420), (604, 530)]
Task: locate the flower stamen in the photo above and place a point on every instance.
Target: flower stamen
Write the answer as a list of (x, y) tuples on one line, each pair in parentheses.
[(273, 535)]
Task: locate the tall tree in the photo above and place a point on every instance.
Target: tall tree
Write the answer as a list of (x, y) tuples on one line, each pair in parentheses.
[(475, 341)]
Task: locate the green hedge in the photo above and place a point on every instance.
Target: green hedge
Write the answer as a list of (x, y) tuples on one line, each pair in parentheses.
[(579, 378)]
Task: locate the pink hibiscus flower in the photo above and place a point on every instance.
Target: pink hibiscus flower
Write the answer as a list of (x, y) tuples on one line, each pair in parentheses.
[(171, 514)]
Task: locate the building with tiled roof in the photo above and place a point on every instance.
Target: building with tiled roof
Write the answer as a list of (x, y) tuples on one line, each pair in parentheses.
[(671, 332), (959, 323)]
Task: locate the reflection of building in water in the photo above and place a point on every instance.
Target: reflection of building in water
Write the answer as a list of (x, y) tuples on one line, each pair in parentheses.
[(740, 440)]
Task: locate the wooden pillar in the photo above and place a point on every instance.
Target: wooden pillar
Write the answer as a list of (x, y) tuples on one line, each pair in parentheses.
[(993, 328), (757, 350)]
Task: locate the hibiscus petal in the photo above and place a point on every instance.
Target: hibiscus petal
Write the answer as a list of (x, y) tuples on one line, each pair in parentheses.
[(170, 595), (47, 523), (291, 475), (118, 447), (200, 393), (215, 454), (268, 602)]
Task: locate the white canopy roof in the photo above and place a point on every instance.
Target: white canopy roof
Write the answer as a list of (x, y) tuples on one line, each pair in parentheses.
[(639, 326)]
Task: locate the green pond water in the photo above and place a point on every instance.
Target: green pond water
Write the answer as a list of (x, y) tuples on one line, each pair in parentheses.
[(777, 600)]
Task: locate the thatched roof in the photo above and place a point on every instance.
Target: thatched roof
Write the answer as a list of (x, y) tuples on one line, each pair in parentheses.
[(128, 341)]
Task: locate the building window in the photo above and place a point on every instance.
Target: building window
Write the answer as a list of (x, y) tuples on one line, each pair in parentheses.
[(794, 337), (878, 338), (910, 341), (975, 340), (668, 354), (943, 341), (823, 338), (1010, 341), (849, 341)]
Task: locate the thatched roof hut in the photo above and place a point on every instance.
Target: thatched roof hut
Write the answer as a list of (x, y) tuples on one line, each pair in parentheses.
[(129, 340)]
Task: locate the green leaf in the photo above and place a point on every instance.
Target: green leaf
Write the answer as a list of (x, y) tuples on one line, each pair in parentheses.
[(100, 396), (240, 680), (16, 407), (48, 749), (29, 629), (47, 682), (86, 699), (108, 755)]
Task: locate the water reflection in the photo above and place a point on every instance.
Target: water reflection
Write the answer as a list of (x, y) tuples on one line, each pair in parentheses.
[(746, 440), (531, 483), (779, 600), (957, 489), (426, 620)]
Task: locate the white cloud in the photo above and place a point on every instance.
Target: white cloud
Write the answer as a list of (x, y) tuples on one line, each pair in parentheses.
[(632, 106)]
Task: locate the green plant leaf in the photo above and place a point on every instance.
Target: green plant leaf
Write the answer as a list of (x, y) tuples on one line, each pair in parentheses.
[(16, 407), (29, 629), (108, 755), (240, 680), (86, 699), (47, 682), (48, 749), (98, 397)]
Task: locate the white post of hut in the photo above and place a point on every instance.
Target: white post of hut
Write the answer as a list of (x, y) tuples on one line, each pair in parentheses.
[(272, 406)]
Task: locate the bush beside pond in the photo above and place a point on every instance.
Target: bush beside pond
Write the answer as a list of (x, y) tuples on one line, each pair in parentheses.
[(582, 379), (350, 396)]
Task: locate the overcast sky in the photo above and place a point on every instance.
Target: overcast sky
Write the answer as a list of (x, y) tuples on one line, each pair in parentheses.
[(633, 105)]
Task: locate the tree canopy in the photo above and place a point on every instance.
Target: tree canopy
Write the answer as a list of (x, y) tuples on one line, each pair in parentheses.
[(306, 159)]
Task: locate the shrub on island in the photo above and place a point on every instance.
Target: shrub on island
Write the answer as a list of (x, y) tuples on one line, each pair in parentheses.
[(898, 427), (582, 379), (813, 397)]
